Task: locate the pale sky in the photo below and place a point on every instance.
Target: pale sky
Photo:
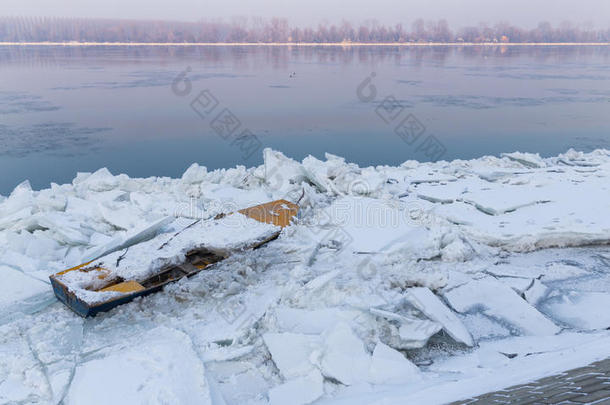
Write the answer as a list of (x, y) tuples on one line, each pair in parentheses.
[(526, 13)]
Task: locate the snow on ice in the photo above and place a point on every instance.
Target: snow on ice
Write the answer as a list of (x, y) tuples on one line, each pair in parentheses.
[(424, 300), (168, 371), (426, 282), (497, 300)]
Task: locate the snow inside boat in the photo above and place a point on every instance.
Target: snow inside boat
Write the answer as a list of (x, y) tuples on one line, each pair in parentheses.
[(145, 268)]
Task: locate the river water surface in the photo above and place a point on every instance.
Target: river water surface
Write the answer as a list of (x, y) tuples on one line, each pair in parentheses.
[(152, 111)]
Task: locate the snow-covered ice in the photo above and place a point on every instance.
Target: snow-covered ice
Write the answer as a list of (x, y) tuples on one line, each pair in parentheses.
[(421, 283), (292, 353), (389, 366), (299, 391), (496, 300), (575, 309), (424, 300), (167, 371)]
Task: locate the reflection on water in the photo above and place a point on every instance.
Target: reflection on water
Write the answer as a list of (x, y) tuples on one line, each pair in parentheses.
[(281, 56), (69, 109)]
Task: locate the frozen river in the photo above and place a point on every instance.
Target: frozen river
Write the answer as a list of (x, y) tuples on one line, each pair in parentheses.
[(419, 283)]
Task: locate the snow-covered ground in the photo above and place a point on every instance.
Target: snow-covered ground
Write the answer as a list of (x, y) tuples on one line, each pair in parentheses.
[(424, 283)]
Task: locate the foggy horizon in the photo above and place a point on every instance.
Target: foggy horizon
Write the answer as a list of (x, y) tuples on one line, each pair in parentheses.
[(524, 13)]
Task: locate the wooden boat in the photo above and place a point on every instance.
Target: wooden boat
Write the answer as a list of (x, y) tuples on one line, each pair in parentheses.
[(99, 285)]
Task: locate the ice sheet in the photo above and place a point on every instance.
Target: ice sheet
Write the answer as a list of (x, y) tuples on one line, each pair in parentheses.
[(582, 310), (168, 371), (331, 298), (424, 300), (499, 301)]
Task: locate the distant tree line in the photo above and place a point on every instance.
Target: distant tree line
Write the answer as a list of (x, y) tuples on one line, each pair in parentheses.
[(258, 30)]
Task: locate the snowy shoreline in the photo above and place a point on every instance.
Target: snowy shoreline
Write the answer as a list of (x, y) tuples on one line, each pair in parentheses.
[(393, 281), (311, 44)]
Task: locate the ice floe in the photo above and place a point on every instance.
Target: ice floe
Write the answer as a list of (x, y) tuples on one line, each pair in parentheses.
[(168, 371), (389, 366), (496, 300), (292, 353), (344, 357), (298, 391), (424, 300), (581, 310)]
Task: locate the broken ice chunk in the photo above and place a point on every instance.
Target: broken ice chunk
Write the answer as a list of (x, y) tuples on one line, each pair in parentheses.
[(312, 322), (576, 158), (425, 174), (561, 271), (390, 315), (500, 199), (20, 293), (279, 172), (292, 352), (482, 327), (373, 225), (19, 199), (321, 280), (19, 261), (425, 301), (23, 376), (130, 238), (107, 198), (457, 251), (39, 245), (344, 357), (389, 366), (553, 272), (500, 302), (234, 382), (519, 284), (159, 366), (444, 193), (8, 220), (582, 310), (65, 229), (536, 292), (194, 174), (415, 334), (23, 187), (101, 180), (124, 218), (531, 160), (299, 391)]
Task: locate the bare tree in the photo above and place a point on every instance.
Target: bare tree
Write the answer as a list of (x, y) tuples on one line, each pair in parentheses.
[(15, 29)]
